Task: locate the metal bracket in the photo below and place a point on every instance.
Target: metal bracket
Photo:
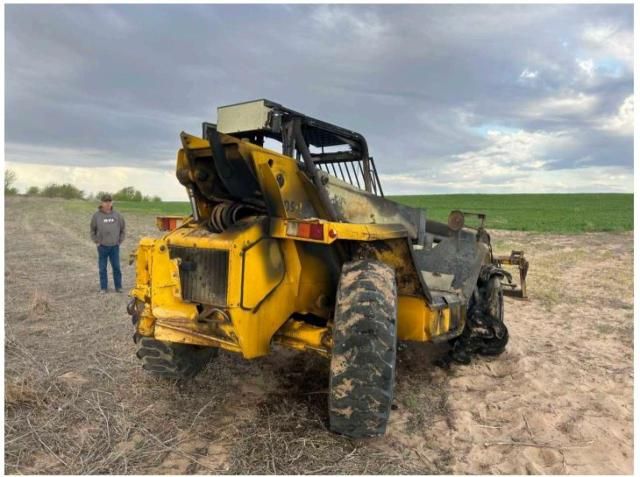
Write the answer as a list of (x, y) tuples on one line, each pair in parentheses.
[(516, 259)]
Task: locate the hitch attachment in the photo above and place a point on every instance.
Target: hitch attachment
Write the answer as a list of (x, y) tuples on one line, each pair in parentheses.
[(515, 259)]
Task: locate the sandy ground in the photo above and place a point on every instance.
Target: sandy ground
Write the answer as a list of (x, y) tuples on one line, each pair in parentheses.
[(558, 401)]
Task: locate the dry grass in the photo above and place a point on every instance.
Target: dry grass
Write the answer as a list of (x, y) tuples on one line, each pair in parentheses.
[(77, 402), (74, 428), (289, 435), (40, 303)]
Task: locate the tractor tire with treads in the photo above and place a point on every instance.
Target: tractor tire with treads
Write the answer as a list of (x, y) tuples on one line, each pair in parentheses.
[(172, 360), (363, 359)]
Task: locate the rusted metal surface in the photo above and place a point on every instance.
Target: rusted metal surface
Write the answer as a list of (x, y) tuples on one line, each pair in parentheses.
[(515, 259), (396, 253), (205, 339)]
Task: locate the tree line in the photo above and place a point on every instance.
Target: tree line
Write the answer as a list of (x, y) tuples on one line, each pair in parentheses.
[(69, 191)]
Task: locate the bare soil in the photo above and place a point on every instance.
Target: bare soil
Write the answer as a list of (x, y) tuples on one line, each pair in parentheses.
[(559, 400)]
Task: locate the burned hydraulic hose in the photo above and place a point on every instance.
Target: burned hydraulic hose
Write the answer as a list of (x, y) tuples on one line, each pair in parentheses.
[(226, 214)]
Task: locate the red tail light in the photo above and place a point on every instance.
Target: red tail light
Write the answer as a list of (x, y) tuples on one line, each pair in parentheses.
[(305, 230)]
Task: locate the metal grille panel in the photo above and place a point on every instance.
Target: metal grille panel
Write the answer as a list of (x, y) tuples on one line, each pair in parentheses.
[(352, 172), (203, 274)]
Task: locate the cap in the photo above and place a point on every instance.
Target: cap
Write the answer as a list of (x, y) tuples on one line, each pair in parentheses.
[(106, 198)]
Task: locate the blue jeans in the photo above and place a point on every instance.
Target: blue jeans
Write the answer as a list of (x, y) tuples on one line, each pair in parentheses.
[(111, 253)]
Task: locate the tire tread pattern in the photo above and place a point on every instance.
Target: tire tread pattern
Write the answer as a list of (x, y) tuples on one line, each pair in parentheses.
[(364, 352), (172, 360)]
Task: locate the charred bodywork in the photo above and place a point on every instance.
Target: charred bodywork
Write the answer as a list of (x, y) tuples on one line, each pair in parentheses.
[(301, 248)]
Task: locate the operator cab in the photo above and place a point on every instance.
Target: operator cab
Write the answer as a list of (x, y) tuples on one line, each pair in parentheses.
[(337, 151)]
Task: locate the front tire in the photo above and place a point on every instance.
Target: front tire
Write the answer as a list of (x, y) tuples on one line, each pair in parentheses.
[(363, 358)]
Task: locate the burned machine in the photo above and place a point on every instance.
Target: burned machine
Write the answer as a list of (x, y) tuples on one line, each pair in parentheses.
[(300, 248)]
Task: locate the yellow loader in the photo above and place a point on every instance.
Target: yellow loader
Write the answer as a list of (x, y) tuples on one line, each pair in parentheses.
[(301, 249)]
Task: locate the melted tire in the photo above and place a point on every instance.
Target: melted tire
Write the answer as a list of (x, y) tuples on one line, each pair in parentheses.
[(494, 299), (485, 332), (363, 359), (172, 360), (494, 311)]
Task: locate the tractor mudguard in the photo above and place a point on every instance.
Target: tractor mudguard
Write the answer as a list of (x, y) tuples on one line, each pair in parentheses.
[(454, 264)]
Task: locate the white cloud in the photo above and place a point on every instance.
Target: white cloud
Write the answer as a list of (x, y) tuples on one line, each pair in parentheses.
[(405, 76), (568, 104), (507, 154), (339, 18), (31, 153), (512, 162), (588, 179), (586, 66), (610, 41), (93, 179), (354, 34), (528, 74), (621, 123)]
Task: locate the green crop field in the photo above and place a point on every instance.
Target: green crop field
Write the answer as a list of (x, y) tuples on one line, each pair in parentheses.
[(159, 208), (563, 213), (560, 213), (150, 208)]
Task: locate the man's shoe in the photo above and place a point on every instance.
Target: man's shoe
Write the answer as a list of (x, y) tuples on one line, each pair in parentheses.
[(118, 290), (103, 291)]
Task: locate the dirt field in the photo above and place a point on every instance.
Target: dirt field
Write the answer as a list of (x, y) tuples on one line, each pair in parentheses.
[(76, 401)]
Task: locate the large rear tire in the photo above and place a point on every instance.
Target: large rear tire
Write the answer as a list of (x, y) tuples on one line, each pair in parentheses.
[(363, 359), (173, 360)]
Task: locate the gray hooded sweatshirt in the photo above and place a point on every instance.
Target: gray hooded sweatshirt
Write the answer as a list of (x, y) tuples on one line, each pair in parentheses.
[(107, 228)]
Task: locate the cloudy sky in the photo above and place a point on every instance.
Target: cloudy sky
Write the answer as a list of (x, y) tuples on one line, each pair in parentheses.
[(498, 98)]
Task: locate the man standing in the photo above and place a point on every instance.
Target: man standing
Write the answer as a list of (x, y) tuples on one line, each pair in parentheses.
[(107, 232)]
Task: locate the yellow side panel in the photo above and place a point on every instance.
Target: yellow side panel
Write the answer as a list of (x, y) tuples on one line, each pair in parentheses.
[(262, 270), (413, 314), (417, 322), (254, 328), (143, 261), (166, 296), (318, 280), (285, 170)]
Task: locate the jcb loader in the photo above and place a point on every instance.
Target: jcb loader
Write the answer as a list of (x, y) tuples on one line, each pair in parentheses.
[(301, 249)]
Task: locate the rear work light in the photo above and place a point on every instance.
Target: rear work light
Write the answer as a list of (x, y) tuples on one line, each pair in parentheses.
[(305, 230)]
